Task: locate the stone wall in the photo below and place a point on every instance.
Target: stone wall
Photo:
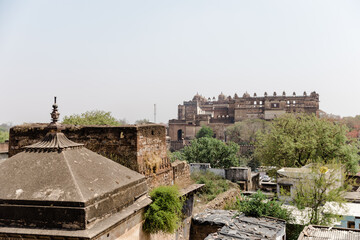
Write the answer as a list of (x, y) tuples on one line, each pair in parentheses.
[(141, 148), (4, 147), (181, 173)]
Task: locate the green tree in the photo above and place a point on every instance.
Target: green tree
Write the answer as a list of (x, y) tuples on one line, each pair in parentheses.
[(4, 132), (4, 135), (324, 184), (258, 205), (142, 121), (205, 131), (164, 213), (245, 132), (177, 155), (213, 151), (95, 117), (294, 141)]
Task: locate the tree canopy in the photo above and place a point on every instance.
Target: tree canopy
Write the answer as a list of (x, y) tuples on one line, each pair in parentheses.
[(95, 117), (4, 132), (324, 184), (296, 140), (353, 123), (245, 132), (142, 121), (4, 135), (205, 131), (213, 151)]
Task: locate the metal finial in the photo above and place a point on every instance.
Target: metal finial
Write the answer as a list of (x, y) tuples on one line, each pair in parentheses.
[(55, 114)]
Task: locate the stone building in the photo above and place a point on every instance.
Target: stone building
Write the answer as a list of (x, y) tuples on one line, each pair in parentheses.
[(226, 110), (56, 188), (141, 148)]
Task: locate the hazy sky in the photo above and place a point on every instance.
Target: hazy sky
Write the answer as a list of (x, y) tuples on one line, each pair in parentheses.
[(126, 56)]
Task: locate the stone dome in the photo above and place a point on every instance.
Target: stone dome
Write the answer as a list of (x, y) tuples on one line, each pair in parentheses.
[(246, 95), (221, 97)]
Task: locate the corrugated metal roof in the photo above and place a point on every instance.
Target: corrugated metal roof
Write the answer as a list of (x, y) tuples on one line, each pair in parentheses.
[(325, 233)]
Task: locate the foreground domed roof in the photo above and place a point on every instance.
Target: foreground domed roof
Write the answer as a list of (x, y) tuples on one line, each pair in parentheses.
[(57, 183)]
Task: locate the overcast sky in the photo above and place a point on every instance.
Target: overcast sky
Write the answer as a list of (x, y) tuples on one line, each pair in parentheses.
[(126, 56)]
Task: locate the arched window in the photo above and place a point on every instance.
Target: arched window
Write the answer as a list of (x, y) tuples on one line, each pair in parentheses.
[(179, 134)]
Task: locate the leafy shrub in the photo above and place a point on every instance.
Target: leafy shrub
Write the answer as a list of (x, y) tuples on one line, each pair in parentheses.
[(164, 213), (214, 185), (173, 156), (257, 205), (95, 117)]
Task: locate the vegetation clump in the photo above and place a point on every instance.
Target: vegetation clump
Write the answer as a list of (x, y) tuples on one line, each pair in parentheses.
[(245, 132), (95, 117), (205, 131), (164, 213), (258, 205), (142, 121), (4, 135), (213, 151), (322, 186), (297, 140), (4, 132), (177, 155), (214, 185)]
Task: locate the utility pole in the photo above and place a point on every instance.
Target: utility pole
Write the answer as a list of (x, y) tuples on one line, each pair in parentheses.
[(154, 113)]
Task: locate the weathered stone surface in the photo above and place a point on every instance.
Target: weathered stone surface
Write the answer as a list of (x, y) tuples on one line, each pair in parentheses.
[(76, 185), (112, 227), (181, 173), (221, 224), (141, 148)]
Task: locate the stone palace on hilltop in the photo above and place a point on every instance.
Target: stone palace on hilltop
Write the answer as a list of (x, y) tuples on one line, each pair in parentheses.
[(226, 110)]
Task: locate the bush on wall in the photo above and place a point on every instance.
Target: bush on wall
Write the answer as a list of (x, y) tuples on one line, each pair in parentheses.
[(164, 213)]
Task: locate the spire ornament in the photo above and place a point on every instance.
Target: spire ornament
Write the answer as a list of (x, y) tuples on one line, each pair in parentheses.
[(55, 114), (54, 140), (54, 125)]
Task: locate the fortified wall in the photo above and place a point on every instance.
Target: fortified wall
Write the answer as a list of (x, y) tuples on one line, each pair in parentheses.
[(141, 148)]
